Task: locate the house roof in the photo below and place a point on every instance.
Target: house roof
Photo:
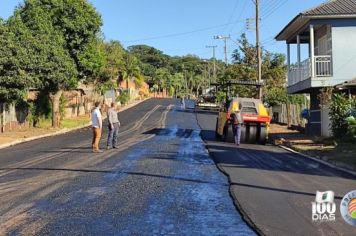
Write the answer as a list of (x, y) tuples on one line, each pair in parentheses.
[(333, 7), (328, 10)]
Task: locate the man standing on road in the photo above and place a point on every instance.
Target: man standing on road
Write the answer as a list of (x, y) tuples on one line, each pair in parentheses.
[(114, 125), (97, 124)]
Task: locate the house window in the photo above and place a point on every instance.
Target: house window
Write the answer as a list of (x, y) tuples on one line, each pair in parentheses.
[(323, 46)]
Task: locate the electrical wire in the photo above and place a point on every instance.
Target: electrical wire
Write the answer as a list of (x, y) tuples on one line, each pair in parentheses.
[(232, 13), (240, 16), (270, 12), (178, 34)]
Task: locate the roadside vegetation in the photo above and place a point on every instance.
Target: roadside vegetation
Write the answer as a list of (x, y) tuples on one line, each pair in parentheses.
[(343, 117), (52, 46), (339, 149)]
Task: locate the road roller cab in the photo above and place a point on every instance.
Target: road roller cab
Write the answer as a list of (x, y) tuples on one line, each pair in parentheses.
[(255, 118)]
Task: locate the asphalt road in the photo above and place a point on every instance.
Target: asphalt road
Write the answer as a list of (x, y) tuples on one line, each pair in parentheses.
[(160, 181), (274, 189)]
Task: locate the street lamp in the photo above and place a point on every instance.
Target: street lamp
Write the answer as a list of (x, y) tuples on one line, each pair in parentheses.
[(225, 38)]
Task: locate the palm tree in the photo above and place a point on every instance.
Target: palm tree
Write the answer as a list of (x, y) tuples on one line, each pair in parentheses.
[(132, 69), (161, 78)]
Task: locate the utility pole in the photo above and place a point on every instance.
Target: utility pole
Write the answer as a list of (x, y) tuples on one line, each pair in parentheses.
[(225, 38), (259, 61), (214, 59)]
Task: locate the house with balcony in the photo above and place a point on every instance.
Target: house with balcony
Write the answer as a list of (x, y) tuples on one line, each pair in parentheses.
[(328, 32)]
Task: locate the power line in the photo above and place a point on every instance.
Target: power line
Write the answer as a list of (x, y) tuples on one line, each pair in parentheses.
[(240, 15), (271, 5), (267, 14), (232, 13), (179, 34)]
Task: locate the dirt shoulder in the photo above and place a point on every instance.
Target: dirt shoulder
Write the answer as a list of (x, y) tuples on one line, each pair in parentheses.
[(337, 153)]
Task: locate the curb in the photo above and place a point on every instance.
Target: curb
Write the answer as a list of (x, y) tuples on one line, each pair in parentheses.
[(63, 131), (318, 160)]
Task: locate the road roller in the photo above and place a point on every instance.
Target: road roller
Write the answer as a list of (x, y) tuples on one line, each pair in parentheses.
[(256, 121)]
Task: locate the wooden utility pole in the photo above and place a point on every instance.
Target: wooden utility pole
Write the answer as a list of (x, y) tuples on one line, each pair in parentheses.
[(258, 47)]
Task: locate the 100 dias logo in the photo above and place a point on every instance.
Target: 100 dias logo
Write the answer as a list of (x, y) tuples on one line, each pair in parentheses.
[(324, 208)]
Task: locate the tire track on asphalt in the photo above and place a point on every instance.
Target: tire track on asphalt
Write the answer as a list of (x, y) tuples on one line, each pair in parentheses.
[(41, 159), (137, 138)]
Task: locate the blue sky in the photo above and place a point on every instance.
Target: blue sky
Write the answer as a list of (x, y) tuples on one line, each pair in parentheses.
[(179, 27)]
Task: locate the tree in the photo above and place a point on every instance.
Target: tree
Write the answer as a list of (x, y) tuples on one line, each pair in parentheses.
[(65, 33), (161, 78), (41, 59), (15, 55), (112, 66), (273, 73), (178, 83), (149, 55), (131, 70)]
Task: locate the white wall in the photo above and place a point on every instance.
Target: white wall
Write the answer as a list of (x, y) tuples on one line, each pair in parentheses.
[(344, 54)]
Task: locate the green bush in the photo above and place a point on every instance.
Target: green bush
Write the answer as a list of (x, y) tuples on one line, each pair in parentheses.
[(39, 110), (339, 109), (351, 131), (220, 96), (124, 98)]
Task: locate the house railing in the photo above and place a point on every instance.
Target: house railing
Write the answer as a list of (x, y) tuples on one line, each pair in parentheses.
[(297, 74), (322, 68)]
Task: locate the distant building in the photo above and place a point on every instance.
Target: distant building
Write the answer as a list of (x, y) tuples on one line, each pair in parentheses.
[(330, 32)]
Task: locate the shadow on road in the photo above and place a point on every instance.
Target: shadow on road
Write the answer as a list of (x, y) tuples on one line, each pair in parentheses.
[(278, 189), (261, 157), (197, 111), (180, 133), (71, 150)]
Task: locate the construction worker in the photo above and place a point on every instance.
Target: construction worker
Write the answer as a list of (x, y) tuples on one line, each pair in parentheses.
[(237, 122)]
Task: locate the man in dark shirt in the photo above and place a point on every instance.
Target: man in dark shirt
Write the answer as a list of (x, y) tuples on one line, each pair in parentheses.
[(114, 125), (237, 119)]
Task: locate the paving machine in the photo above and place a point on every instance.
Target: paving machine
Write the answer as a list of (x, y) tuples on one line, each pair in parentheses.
[(207, 103), (256, 121)]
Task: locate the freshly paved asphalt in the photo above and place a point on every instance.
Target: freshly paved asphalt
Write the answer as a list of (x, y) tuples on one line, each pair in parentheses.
[(160, 181), (274, 188)]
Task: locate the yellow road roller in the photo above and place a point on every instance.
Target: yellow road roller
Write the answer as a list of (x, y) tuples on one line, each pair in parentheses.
[(256, 121)]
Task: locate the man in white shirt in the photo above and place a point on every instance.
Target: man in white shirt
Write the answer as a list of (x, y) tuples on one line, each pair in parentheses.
[(97, 124)]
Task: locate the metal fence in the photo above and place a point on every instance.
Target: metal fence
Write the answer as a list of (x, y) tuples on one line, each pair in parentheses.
[(289, 114)]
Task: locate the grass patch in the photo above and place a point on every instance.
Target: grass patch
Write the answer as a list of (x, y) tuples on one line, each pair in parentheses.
[(68, 123), (75, 122), (345, 153), (342, 152), (45, 123)]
